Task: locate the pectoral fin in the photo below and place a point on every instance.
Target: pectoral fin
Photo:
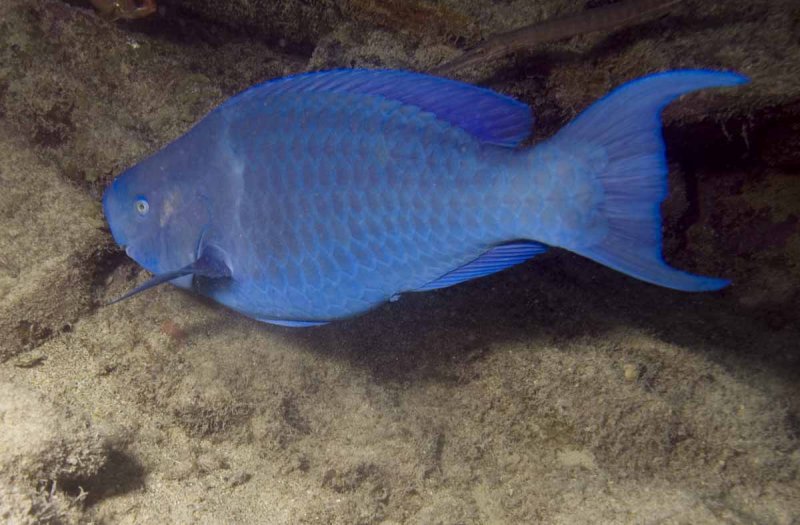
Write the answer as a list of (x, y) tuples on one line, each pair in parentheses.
[(211, 264)]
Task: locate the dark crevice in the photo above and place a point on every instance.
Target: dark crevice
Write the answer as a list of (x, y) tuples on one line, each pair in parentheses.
[(691, 212), (121, 474), (107, 261), (174, 23)]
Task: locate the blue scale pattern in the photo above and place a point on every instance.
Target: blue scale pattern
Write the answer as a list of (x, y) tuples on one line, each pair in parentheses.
[(350, 199)]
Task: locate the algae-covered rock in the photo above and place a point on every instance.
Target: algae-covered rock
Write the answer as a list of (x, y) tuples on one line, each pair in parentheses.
[(42, 442), (46, 274), (36, 507), (43, 448), (95, 99)]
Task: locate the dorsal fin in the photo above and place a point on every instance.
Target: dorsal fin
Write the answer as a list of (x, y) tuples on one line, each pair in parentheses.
[(488, 116), (497, 259)]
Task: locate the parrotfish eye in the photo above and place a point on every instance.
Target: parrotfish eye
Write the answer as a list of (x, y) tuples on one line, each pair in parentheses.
[(141, 205)]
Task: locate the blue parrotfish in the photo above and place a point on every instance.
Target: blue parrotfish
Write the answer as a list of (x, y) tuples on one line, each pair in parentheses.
[(319, 196)]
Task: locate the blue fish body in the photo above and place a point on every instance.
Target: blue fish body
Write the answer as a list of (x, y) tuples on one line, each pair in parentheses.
[(319, 196)]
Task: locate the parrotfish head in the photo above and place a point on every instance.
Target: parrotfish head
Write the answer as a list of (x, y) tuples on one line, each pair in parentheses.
[(159, 221)]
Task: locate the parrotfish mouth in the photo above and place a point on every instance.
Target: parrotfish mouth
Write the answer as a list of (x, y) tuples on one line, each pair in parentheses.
[(210, 263)]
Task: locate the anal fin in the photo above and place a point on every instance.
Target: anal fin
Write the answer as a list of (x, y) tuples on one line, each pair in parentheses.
[(497, 259)]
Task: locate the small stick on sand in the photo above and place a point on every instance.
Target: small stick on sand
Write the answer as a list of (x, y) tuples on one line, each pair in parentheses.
[(614, 16)]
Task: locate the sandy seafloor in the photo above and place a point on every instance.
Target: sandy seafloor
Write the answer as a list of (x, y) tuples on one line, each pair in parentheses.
[(555, 392)]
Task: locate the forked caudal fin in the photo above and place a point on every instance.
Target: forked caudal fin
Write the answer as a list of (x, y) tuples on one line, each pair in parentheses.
[(626, 124)]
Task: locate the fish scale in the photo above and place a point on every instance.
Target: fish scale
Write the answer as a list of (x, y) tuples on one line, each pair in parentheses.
[(329, 250), (319, 196)]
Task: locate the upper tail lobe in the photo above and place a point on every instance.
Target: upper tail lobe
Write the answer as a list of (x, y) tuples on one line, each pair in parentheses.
[(625, 127)]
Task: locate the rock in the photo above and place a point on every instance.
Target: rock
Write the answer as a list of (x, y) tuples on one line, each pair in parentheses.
[(35, 197), (42, 447), (39, 441)]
